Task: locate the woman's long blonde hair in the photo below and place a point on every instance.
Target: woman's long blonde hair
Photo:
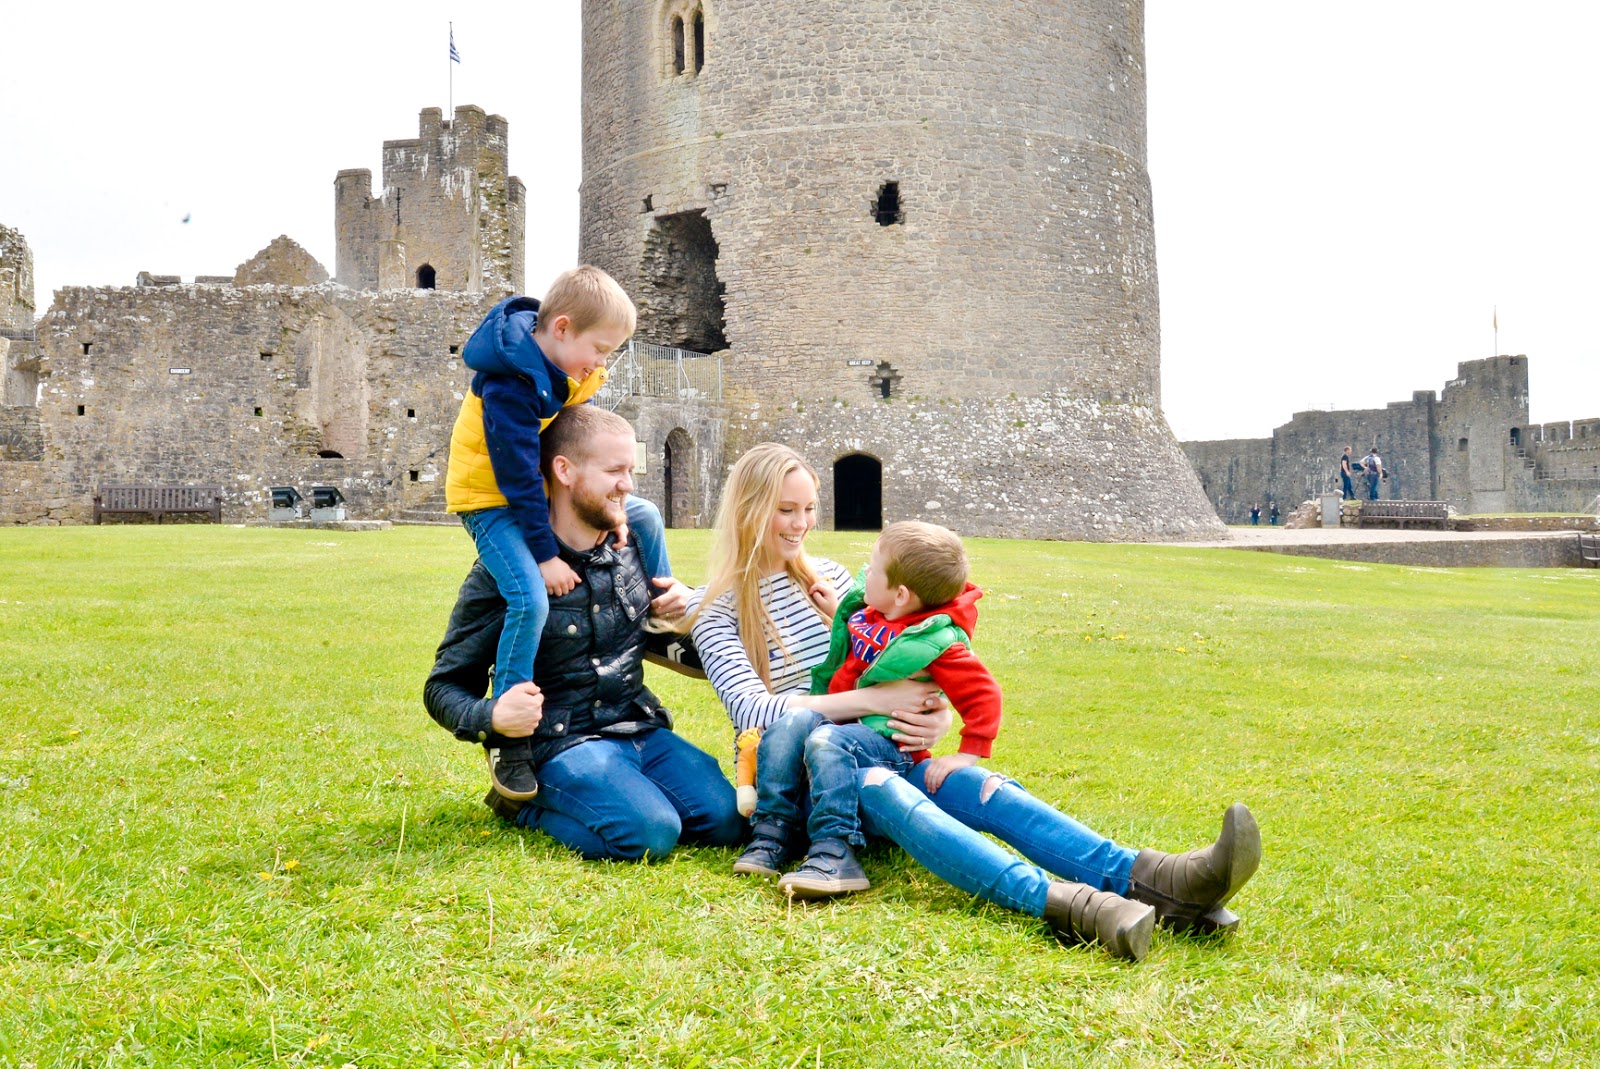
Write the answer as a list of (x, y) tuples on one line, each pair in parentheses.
[(744, 516)]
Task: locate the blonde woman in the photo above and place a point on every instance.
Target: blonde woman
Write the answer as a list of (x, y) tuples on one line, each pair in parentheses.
[(763, 622)]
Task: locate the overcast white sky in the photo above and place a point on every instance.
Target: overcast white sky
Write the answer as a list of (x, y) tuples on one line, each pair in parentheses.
[(1344, 192)]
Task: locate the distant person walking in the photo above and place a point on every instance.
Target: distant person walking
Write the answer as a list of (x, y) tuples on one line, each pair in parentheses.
[(1272, 513), (1372, 464), (1347, 474), (1255, 515)]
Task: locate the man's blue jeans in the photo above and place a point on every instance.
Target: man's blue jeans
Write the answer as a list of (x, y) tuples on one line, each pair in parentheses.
[(942, 834), (1349, 490), (1372, 487), (504, 551), (632, 797), (804, 754)]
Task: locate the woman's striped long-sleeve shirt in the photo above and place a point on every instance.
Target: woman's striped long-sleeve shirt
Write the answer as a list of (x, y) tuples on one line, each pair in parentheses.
[(805, 636)]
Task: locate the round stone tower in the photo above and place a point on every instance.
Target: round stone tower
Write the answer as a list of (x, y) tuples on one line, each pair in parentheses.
[(922, 233)]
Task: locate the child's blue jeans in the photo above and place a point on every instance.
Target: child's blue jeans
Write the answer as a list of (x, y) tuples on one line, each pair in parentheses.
[(805, 752), (504, 552)]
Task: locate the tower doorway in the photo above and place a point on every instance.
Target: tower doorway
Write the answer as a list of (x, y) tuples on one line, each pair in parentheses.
[(857, 493), (677, 469)]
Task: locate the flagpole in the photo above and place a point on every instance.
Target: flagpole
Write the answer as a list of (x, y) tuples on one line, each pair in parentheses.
[(1497, 330), (451, 63)]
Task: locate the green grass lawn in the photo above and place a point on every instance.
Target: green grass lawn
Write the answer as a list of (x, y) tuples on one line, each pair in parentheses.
[(230, 835)]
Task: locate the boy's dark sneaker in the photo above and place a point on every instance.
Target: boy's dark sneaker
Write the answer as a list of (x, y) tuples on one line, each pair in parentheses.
[(502, 807), (511, 775), (768, 854), (830, 869)]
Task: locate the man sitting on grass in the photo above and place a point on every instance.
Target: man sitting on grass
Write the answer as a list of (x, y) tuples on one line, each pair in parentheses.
[(614, 780)]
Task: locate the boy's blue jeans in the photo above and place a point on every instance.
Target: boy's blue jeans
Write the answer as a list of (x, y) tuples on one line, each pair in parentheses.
[(633, 797), (943, 831), (504, 552), (806, 746)]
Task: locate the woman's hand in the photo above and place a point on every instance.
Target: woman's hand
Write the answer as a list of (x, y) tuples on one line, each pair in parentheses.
[(915, 731), (672, 601), (902, 694), (825, 597)]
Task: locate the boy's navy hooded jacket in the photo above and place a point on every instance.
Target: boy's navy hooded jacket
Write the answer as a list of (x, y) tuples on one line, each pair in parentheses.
[(515, 392)]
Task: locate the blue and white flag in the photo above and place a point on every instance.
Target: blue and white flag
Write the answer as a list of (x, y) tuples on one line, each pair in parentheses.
[(455, 57)]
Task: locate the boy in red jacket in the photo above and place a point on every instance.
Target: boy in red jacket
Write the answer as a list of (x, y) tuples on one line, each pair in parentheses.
[(911, 615)]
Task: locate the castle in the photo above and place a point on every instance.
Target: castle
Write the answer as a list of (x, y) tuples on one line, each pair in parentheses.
[(928, 265), (272, 375), (1472, 446), (920, 235)]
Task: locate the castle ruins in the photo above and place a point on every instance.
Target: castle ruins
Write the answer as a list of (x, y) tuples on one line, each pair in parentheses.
[(924, 259), (921, 238), (272, 375), (1471, 446)]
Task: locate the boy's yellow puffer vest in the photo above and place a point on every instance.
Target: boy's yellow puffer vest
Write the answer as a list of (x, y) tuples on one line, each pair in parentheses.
[(470, 484)]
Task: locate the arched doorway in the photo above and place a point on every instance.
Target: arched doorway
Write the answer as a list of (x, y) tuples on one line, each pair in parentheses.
[(857, 493), (677, 469), (426, 276)]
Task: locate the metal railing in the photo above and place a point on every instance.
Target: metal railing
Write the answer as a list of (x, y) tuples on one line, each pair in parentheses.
[(646, 370), (18, 333)]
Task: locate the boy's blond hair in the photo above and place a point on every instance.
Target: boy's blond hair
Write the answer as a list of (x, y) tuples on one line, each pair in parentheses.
[(926, 559), (588, 297)]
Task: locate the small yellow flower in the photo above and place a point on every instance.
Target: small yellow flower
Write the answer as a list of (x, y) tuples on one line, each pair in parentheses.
[(263, 875), (290, 866)]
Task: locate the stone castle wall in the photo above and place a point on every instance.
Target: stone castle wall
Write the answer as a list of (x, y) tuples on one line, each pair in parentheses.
[(685, 443), (244, 388), (18, 361), (1471, 446), (16, 279), (448, 203), (954, 216), (20, 434)]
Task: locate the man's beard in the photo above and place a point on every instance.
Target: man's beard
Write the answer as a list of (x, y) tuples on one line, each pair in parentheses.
[(599, 512)]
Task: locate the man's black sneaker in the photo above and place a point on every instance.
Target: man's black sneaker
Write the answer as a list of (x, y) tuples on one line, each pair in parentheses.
[(830, 869), (512, 776)]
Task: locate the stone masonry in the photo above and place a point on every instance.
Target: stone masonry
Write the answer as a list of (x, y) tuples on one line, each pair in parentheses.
[(449, 215), (245, 388), (20, 434), (922, 234), (19, 378), (1472, 446), (270, 375)]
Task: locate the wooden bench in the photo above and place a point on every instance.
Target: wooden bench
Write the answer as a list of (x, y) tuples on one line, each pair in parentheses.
[(158, 501), (1589, 548), (1404, 512)]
